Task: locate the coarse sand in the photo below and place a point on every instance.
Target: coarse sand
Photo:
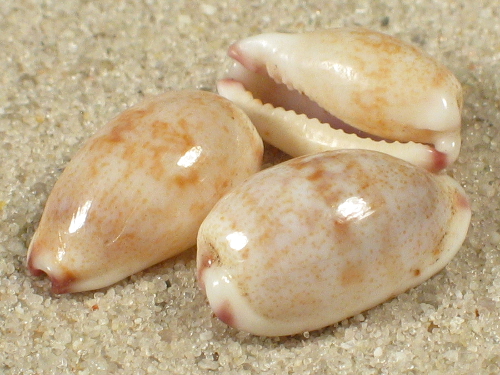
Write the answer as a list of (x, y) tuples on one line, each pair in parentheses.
[(67, 67)]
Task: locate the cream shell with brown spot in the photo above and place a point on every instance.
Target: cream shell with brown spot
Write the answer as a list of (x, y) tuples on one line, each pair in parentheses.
[(320, 238), (137, 191)]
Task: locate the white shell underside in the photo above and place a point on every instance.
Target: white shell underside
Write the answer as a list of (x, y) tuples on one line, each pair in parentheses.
[(383, 94), (297, 134)]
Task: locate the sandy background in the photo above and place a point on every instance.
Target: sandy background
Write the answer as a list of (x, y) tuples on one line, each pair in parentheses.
[(67, 67)]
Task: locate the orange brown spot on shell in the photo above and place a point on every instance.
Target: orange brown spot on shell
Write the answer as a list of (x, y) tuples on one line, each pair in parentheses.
[(352, 274), (184, 180)]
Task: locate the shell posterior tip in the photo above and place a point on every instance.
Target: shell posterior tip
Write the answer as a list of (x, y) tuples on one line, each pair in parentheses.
[(237, 54), (439, 161), (61, 283), (35, 271), (40, 263), (225, 313)]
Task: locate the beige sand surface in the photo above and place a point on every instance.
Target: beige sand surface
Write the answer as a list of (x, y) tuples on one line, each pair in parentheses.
[(68, 66)]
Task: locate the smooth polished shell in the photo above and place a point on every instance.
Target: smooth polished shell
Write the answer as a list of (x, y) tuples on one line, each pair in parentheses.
[(382, 93), (320, 238), (136, 192)]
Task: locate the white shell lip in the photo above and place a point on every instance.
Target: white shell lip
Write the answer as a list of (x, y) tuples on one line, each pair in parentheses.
[(232, 309), (222, 263), (371, 81)]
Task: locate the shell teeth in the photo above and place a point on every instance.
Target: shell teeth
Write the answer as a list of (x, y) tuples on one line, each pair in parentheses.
[(297, 134), (379, 85), (291, 114)]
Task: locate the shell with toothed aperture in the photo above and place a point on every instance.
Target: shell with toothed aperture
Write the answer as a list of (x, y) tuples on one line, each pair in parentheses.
[(319, 238), (137, 191), (386, 95)]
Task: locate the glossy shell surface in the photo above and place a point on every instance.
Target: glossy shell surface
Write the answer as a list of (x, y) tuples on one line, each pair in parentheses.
[(320, 238), (384, 94), (137, 191)]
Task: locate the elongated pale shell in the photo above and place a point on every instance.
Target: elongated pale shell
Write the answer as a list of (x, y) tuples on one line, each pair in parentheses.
[(137, 191), (320, 238), (382, 87)]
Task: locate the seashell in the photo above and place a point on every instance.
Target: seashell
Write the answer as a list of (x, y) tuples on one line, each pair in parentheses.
[(383, 94), (320, 238), (137, 191)]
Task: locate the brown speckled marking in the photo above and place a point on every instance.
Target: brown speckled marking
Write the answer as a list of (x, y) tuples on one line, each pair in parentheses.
[(352, 273), (245, 253), (439, 246), (318, 174), (309, 259), (342, 230), (393, 55), (197, 207), (192, 177), (144, 145), (126, 124), (144, 206), (222, 185)]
